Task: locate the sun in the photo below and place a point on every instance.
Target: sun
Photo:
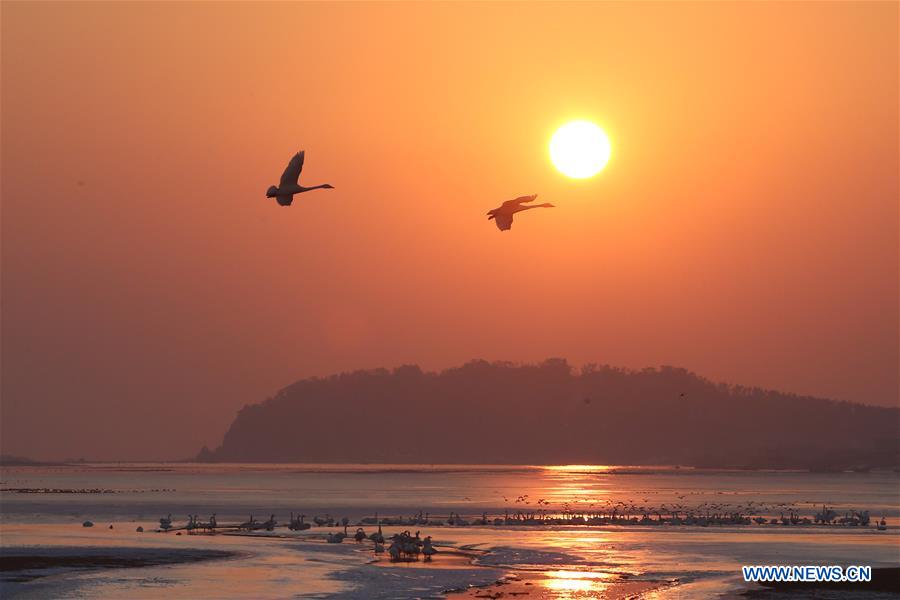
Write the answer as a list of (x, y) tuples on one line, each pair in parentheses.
[(579, 149)]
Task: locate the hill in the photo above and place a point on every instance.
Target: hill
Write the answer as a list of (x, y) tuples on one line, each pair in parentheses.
[(549, 413)]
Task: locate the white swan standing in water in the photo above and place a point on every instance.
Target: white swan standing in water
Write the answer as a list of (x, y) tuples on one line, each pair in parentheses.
[(427, 549), (378, 536), (290, 182), (335, 538), (298, 524), (503, 215), (268, 525)]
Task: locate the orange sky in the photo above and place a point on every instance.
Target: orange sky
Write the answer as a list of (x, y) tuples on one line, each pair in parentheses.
[(745, 228)]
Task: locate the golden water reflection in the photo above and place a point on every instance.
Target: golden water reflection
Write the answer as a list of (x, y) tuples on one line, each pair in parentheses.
[(576, 487), (570, 584)]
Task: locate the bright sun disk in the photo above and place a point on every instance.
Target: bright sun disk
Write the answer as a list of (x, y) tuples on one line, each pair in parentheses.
[(579, 149)]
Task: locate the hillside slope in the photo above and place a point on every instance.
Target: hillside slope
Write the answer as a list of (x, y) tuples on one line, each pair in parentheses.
[(551, 414)]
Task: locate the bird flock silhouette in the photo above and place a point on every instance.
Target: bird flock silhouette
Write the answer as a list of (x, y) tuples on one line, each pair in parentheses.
[(289, 186)]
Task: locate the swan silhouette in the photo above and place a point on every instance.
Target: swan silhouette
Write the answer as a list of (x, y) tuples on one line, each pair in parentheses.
[(503, 215), (290, 182)]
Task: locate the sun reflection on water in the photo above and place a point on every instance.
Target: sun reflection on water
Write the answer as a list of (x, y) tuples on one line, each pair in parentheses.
[(569, 584), (577, 485)]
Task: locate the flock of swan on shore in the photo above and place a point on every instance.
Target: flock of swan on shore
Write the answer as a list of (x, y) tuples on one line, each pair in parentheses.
[(404, 546), (620, 513)]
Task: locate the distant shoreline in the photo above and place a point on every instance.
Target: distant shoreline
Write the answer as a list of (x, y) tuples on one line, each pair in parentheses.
[(360, 467)]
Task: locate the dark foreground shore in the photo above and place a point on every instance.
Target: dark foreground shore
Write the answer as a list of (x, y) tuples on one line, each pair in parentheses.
[(27, 564)]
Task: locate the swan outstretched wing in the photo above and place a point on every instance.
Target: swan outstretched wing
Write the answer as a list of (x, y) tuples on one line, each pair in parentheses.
[(517, 201), (291, 175), (503, 221)]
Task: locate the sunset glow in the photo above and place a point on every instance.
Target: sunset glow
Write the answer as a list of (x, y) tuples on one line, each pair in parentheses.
[(397, 264), (551, 301)]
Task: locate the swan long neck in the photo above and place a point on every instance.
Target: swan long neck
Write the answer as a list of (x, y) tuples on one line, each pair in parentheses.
[(316, 187)]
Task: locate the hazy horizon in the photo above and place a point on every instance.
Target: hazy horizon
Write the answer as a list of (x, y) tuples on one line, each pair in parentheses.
[(745, 227), (575, 370)]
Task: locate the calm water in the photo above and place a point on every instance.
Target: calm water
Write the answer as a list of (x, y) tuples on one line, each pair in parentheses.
[(234, 491), (704, 560)]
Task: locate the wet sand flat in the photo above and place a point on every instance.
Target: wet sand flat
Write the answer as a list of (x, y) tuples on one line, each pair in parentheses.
[(446, 558), (540, 585)]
